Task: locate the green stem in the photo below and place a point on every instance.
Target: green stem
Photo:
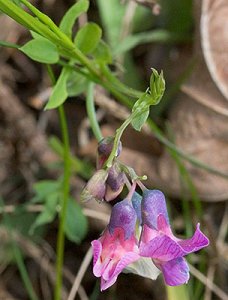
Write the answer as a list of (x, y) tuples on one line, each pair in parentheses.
[(66, 190), (92, 113), (118, 135), (23, 272), (65, 195)]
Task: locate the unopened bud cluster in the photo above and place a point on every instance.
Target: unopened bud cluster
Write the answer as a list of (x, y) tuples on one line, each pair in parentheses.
[(107, 183)]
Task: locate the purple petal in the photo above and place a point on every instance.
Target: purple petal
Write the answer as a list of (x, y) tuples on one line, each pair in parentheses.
[(175, 272), (197, 242), (123, 216), (162, 248), (153, 205)]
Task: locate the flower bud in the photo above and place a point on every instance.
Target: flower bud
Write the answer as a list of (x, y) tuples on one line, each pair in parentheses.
[(115, 182), (123, 216), (96, 187)]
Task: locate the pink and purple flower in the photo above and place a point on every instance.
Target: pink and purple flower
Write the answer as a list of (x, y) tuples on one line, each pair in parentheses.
[(159, 243), (117, 247)]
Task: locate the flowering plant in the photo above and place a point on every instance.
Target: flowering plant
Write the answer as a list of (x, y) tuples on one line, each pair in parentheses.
[(138, 229)]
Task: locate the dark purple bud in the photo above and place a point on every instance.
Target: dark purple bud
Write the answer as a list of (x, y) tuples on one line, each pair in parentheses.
[(115, 182), (96, 187), (153, 205), (116, 177), (136, 202), (123, 216)]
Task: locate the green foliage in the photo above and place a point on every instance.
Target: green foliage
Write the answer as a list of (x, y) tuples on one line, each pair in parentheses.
[(158, 36), (76, 84), (47, 192), (102, 54), (140, 110), (111, 13), (49, 211), (41, 50), (43, 189), (176, 15), (59, 93), (76, 225), (71, 16), (88, 37)]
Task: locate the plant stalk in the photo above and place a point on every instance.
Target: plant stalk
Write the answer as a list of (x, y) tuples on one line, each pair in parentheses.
[(92, 113), (65, 195)]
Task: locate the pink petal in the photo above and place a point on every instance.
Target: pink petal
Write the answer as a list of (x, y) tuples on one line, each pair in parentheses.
[(197, 242), (127, 259), (97, 266), (175, 272), (163, 226), (110, 274), (106, 284)]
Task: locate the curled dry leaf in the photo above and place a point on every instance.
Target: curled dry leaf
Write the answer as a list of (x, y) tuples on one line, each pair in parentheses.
[(214, 33)]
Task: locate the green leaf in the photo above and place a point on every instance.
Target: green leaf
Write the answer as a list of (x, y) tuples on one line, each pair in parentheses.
[(41, 50), (88, 37), (48, 214), (158, 36), (111, 13), (44, 188), (59, 93), (143, 267), (76, 225), (35, 35), (71, 16), (76, 84), (140, 119), (102, 53)]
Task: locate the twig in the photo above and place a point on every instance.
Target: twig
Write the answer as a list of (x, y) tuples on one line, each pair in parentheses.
[(208, 283), (210, 276), (223, 227), (85, 263), (39, 208)]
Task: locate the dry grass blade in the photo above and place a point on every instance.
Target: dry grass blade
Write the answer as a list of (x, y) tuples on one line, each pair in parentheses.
[(208, 283), (85, 263)]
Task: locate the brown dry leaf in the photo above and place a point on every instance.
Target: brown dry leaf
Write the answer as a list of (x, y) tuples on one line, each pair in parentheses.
[(214, 32)]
